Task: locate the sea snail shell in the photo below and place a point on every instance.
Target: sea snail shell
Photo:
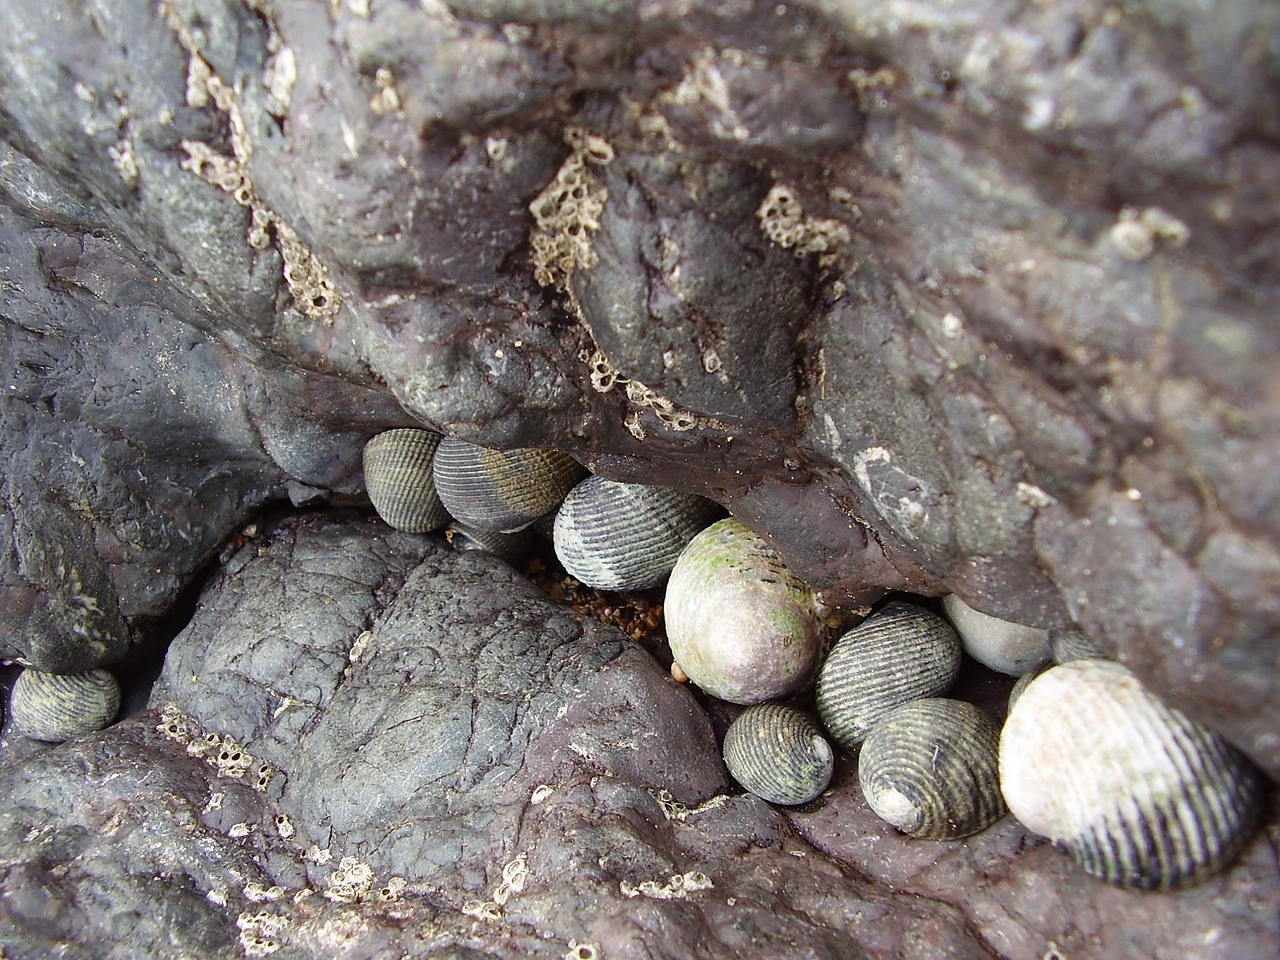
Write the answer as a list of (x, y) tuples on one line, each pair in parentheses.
[(1139, 794), (511, 547), (778, 753), (930, 768), (903, 652), (398, 478), (625, 536), (55, 707), (1004, 646), (501, 490), (740, 624)]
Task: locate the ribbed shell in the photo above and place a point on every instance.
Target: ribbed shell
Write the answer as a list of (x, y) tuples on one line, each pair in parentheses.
[(1139, 794), (502, 490), (1002, 645), (625, 536), (511, 547), (740, 624), (398, 476), (56, 707), (930, 768), (1071, 645), (903, 652), (778, 753)]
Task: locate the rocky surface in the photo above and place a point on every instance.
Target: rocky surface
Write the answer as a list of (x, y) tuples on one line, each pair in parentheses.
[(365, 744), (939, 296)]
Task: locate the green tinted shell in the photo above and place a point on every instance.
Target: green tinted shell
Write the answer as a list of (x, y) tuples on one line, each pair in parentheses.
[(501, 490), (740, 624)]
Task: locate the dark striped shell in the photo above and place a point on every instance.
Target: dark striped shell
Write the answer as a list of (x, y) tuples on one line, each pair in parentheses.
[(778, 753), (1068, 645), (1002, 645), (903, 652), (398, 476), (511, 547), (1139, 794), (930, 767), (502, 490), (625, 536), (740, 624), (54, 707)]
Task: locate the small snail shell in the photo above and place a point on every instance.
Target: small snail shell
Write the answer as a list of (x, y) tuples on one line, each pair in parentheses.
[(511, 547), (1002, 645), (1070, 645), (930, 767), (56, 707), (1139, 794), (778, 753), (502, 490), (740, 624), (903, 652), (625, 536), (398, 478)]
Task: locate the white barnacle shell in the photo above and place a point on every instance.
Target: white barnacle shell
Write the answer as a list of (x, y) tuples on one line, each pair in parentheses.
[(1139, 794)]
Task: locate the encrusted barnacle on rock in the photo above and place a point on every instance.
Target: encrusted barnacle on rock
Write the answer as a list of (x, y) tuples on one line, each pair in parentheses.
[(568, 211)]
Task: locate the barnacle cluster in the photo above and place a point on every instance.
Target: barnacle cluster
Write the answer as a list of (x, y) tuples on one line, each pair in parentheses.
[(568, 211), (785, 222), (678, 887), (221, 750)]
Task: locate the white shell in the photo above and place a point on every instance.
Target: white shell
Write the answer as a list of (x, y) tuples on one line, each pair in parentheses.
[(1004, 646), (1139, 794)]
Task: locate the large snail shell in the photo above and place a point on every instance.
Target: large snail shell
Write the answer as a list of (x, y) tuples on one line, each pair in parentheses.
[(1139, 794), (398, 478), (903, 652), (778, 753), (930, 767), (56, 707), (625, 536), (503, 490), (740, 624), (1004, 646)]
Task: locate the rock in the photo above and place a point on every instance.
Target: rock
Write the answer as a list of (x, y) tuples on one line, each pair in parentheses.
[(936, 299)]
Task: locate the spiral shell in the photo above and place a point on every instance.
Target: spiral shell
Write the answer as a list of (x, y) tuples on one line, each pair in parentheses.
[(501, 490), (930, 767), (56, 707), (1068, 645), (511, 547), (778, 753), (398, 476), (625, 536), (1004, 646), (740, 624), (903, 652), (1139, 794)]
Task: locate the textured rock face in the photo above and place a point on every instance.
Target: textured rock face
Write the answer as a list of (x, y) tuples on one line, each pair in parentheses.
[(938, 296)]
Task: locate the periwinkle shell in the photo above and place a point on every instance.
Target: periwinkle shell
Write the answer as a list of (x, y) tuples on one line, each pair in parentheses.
[(1068, 645), (501, 490), (740, 624), (1004, 646), (778, 753), (625, 536), (398, 476), (902, 652), (511, 547), (930, 768), (1139, 794), (55, 707)]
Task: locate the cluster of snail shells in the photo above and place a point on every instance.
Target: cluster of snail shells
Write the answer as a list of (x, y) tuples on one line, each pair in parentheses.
[(54, 707), (416, 480), (1139, 794)]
